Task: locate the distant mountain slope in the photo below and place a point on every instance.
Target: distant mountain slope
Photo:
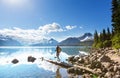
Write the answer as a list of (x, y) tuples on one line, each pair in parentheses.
[(70, 41), (86, 39), (45, 42), (52, 42), (7, 41)]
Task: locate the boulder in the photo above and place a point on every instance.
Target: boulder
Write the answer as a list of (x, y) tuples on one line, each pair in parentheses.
[(15, 61), (31, 59), (104, 58), (95, 64), (81, 60), (76, 58), (117, 76), (108, 75), (71, 70), (115, 68), (86, 76), (111, 69), (70, 59), (75, 70), (106, 64)]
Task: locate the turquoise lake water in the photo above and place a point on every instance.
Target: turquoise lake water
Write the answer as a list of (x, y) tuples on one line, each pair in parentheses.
[(39, 68)]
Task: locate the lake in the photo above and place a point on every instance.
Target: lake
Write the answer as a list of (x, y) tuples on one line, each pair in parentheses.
[(39, 68)]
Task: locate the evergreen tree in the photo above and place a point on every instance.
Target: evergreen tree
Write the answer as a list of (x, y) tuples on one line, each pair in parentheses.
[(108, 34), (112, 33), (103, 35), (100, 44), (116, 23), (96, 37), (116, 15)]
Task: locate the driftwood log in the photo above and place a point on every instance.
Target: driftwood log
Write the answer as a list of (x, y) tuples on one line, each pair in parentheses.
[(62, 64), (66, 65), (87, 69)]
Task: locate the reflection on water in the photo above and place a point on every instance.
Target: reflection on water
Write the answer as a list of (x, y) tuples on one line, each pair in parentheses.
[(38, 69), (58, 74)]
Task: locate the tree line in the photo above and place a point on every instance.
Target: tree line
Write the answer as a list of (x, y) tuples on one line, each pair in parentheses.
[(108, 38)]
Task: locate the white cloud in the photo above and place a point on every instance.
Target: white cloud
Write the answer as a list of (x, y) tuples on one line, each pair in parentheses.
[(31, 35), (70, 27), (54, 27), (34, 35)]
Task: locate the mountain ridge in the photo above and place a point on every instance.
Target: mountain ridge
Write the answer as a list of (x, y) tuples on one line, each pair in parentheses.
[(8, 41), (85, 39)]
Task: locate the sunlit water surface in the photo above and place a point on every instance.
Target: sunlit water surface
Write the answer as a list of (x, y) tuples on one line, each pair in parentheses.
[(37, 69)]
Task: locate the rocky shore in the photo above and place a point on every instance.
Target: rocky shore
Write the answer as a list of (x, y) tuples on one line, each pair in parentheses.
[(100, 63)]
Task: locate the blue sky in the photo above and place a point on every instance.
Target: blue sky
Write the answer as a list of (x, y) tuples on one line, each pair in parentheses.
[(54, 18)]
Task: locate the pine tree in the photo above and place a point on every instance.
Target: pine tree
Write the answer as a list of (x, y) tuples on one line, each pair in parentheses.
[(116, 23), (96, 37), (104, 35), (101, 37), (112, 33), (101, 40), (108, 34), (116, 15)]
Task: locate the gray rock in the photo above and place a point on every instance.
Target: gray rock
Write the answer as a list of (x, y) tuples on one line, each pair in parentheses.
[(108, 75), (71, 58), (106, 64), (15, 61), (31, 59), (99, 71), (104, 58), (118, 72), (111, 68), (75, 59), (95, 64), (81, 60), (118, 67), (117, 76), (115, 68), (86, 76), (71, 70)]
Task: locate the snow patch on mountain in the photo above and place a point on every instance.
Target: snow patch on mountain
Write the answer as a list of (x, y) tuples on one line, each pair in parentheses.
[(88, 38)]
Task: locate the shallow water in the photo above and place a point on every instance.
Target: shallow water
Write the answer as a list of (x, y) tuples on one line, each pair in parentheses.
[(38, 69)]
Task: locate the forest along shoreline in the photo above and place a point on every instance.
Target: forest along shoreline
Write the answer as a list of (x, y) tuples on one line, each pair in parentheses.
[(100, 63)]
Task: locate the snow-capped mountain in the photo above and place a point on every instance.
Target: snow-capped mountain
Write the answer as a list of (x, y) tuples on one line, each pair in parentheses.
[(86, 39), (8, 41), (52, 42), (13, 41)]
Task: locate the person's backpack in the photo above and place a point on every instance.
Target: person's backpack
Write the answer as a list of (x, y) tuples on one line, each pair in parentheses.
[(59, 49)]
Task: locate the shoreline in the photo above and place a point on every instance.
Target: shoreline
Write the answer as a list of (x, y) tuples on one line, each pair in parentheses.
[(100, 63)]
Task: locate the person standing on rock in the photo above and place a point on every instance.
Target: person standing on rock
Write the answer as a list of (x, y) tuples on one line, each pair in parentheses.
[(58, 50)]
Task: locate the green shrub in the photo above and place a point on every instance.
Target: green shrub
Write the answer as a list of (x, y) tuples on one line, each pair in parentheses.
[(99, 45), (116, 41), (107, 43)]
